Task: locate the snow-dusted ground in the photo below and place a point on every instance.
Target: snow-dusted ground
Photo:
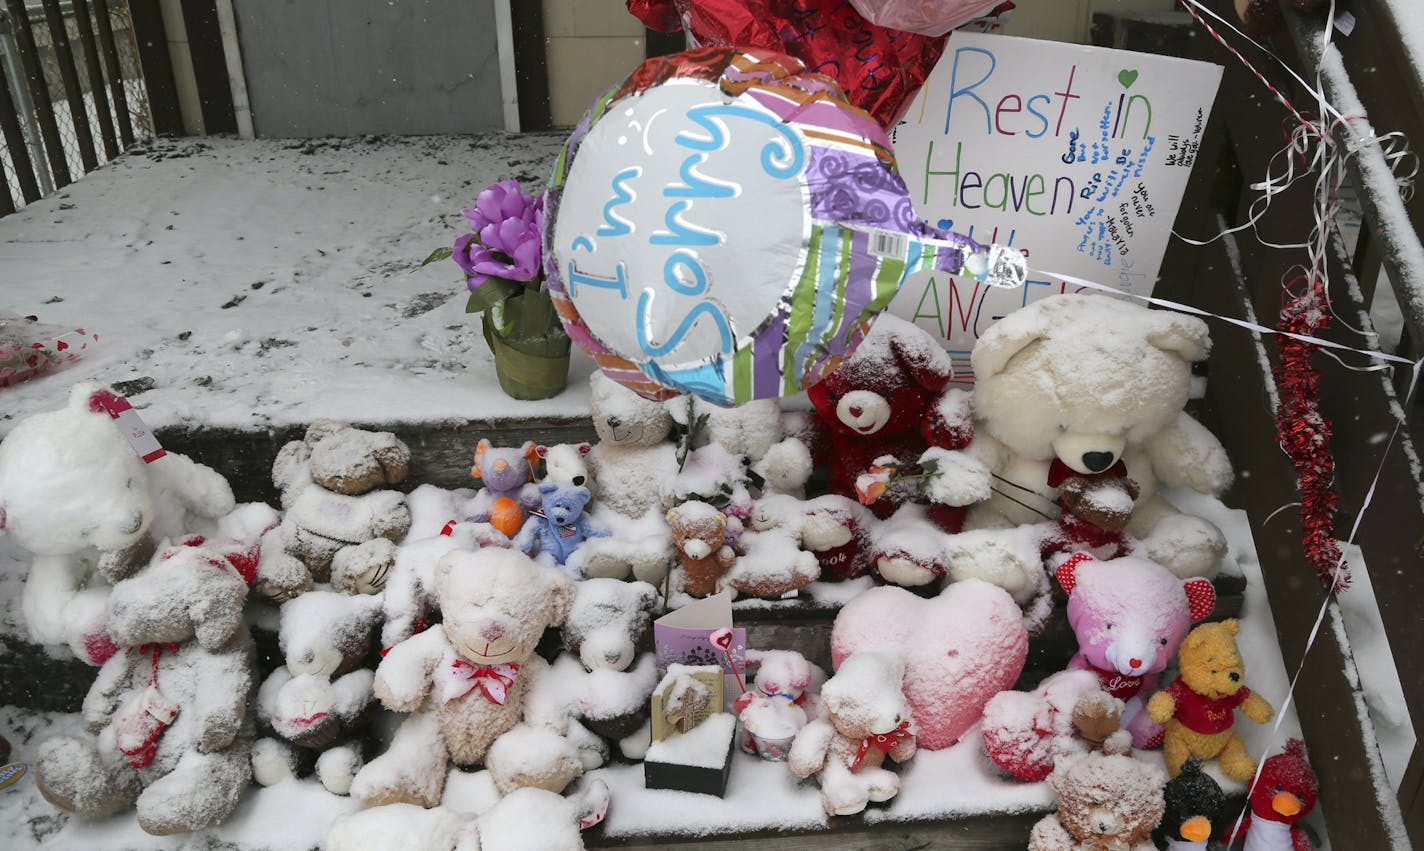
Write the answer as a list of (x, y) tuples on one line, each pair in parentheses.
[(272, 282)]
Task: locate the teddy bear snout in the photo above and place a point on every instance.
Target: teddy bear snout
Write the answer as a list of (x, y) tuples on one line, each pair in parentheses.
[(864, 411), (696, 549), (132, 522), (492, 631), (1105, 822)]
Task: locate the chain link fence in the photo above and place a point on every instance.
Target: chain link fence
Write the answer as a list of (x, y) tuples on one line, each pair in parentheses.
[(135, 94)]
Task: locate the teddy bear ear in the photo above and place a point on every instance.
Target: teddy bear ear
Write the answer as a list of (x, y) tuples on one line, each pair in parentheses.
[(931, 369), (542, 451), (1067, 572), (754, 657), (480, 449), (1184, 335), (585, 448), (671, 516), (1232, 626), (1201, 597), (561, 596), (1004, 339)]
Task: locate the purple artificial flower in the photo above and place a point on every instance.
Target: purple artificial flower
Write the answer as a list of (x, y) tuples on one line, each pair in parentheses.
[(508, 235)]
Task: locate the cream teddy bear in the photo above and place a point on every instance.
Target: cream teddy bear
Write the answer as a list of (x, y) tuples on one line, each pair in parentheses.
[(467, 681), (1089, 385)]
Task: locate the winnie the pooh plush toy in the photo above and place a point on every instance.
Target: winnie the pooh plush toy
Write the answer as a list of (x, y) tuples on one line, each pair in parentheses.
[(1198, 708)]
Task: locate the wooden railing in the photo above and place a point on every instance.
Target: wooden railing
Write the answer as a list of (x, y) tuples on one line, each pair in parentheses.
[(72, 95), (1369, 77)]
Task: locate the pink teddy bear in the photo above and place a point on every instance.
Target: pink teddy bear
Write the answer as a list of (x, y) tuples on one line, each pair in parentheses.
[(1130, 615)]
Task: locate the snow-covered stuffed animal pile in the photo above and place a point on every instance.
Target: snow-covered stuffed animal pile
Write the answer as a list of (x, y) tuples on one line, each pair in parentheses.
[(556, 532), (340, 520), (507, 492), (865, 720), (1026, 733), (465, 682), (1088, 385), (321, 697), (1199, 708), (1130, 616), (609, 669), (772, 561), (75, 494), (755, 431), (1105, 800), (631, 464), (169, 711), (889, 403), (959, 649), (524, 820)]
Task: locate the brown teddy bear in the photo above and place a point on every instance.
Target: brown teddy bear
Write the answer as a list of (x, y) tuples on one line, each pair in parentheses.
[(1198, 707), (1106, 802), (699, 535), (467, 681), (865, 719), (340, 524)]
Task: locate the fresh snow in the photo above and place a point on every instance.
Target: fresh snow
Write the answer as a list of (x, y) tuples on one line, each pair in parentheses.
[(257, 283)]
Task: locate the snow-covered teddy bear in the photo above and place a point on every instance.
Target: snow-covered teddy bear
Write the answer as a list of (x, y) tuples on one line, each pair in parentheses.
[(755, 431), (169, 711), (698, 535), (609, 667), (1105, 800), (340, 522), (322, 696), (564, 462), (465, 681), (632, 465), (772, 560), (1088, 385), (524, 820), (75, 494), (865, 720)]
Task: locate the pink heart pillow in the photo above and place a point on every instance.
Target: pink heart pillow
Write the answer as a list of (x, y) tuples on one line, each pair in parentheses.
[(960, 648)]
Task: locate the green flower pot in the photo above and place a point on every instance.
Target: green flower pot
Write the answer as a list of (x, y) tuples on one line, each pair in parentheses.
[(528, 370)]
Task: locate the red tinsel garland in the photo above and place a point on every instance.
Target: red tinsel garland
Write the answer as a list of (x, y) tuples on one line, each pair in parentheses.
[(1305, 434)]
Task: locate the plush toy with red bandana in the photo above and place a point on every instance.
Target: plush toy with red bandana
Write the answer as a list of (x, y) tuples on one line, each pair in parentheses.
[(865, 720), (467, 682), (1130, 616), (1284, 794), (169, 709)]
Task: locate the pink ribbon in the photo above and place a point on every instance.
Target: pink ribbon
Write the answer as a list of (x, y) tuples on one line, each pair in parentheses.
[(493, 681)]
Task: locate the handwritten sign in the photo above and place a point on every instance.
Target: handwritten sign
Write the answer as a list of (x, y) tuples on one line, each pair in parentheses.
[(1076, 156)]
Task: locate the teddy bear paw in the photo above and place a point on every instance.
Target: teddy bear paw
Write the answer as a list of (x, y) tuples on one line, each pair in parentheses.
[(905, 571)]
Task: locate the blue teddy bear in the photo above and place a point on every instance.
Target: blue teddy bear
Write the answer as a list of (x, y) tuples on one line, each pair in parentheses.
[(553, 534)]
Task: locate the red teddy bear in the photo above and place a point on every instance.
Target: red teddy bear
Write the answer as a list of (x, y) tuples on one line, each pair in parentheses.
[(889, 398)]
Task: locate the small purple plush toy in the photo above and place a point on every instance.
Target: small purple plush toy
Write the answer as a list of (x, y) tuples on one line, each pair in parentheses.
[(553, 536), (508, 492)]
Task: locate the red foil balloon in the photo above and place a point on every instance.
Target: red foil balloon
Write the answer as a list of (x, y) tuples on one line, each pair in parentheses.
[(880, 69)]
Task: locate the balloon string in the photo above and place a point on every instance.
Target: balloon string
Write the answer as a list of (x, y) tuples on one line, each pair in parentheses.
[(1250, 326)]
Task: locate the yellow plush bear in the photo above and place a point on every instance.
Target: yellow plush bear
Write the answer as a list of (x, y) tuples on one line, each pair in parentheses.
[(1198, 708)]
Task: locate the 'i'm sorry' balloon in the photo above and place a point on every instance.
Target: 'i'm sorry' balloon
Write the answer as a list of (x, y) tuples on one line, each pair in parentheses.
[(725, 224)]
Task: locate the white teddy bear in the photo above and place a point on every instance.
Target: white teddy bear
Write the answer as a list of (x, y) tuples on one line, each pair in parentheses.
[(74, 493), (1088, 385), (632, 464)]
